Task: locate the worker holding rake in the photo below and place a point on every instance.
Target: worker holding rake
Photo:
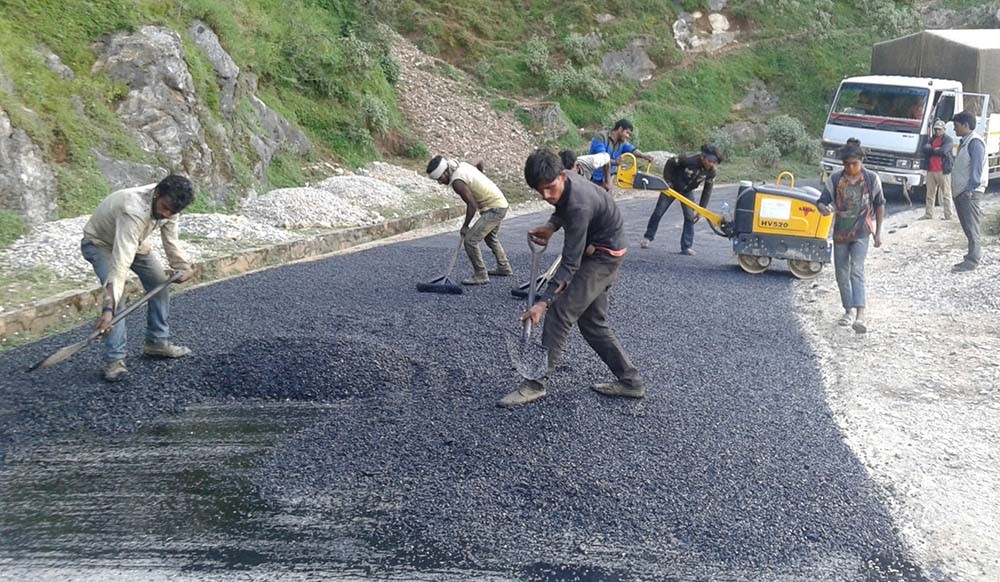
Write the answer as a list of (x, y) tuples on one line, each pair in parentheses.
[(593, 251), (480, 195)]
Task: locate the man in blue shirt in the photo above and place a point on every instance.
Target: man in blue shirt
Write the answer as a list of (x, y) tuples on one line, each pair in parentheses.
[(614, 143)]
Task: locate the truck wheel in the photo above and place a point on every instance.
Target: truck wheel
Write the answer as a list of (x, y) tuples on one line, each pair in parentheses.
[(753, 264), (804, 269)]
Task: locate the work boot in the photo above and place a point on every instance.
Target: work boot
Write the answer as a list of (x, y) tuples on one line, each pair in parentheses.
[(501, 272), (165, 349), (926, 217), (645, 243), (115, 371), (688, 252), (860, 326), (963, 267), (619, 389), (525, 393), (477, 279)]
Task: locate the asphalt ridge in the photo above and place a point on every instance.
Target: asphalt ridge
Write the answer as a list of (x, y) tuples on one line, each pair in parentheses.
[(732, 467)]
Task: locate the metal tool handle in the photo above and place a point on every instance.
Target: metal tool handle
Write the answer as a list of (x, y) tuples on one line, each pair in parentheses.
[(454, 256), (536, 255)]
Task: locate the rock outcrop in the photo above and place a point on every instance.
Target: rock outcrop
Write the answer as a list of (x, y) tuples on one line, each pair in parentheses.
[(632, 62), (27, 184)]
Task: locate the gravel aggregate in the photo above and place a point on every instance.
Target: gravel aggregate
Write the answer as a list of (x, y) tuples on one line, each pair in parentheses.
[(732, 468)]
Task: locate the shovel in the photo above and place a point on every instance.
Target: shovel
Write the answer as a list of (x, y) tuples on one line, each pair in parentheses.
[(531, 359), (521, 291), (68, 351)]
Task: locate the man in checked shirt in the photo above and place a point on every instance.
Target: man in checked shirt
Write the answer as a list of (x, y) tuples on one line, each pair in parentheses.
[(593, 250), (115, 241)]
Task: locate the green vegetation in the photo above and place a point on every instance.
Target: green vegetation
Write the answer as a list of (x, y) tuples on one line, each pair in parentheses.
[(319, 63), (11, 228)]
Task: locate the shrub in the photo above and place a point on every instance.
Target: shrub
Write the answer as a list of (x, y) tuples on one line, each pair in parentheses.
[(376, 114), (587, 81), (357, 52), (536, 56), (723, 140), (766, 155), (390, 68), (891, 18), (790, 136), (577, 48)]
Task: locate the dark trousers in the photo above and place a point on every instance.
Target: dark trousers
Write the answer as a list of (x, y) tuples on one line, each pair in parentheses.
[(663, 202), (970, 215), (585, 303)]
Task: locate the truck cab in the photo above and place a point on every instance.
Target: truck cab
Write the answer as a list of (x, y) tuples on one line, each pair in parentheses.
[(892, 116)]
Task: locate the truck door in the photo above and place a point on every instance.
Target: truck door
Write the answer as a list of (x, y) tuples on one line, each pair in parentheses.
[(978, 105), (944, 110)]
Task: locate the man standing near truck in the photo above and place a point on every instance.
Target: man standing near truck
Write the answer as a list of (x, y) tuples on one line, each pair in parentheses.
[(938, 161), (968, 180)]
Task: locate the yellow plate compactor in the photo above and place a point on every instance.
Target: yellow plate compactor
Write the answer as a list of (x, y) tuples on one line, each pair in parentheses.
[(770, 221)]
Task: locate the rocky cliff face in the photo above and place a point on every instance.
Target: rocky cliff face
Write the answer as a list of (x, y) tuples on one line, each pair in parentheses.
[(166, 118)]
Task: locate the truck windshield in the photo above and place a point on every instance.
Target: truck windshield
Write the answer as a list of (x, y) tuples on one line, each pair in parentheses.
[(880, 106)]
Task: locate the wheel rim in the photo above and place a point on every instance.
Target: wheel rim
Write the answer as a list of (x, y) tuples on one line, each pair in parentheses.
[(804, 269), (752, 264)]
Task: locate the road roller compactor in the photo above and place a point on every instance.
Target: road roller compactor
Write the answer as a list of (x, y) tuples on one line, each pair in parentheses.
[(770, 221)]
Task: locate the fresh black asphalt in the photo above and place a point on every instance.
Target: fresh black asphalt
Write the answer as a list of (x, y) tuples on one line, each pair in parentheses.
[(732, 468)]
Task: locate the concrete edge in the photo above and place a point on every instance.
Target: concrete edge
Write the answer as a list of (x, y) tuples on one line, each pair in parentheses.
[(52, 313)]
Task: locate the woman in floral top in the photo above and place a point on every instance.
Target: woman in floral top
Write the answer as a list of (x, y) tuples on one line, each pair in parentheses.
[(855, 194)]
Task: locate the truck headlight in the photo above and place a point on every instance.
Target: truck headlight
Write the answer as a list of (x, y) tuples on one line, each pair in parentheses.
[(831, 153), (902, 163)]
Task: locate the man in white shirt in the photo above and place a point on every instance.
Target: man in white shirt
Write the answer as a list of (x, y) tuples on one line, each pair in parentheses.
[(115, 241), (480, 195)]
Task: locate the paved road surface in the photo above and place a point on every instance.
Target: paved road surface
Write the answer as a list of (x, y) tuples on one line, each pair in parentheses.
[(335, 424)]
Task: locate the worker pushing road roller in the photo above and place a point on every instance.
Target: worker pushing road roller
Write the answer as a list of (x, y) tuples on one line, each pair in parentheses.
[(771, 221)]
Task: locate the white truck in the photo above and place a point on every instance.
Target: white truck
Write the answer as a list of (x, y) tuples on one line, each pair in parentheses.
[(916, 80)]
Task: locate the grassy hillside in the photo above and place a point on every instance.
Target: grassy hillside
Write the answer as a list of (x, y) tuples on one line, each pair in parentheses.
[(323, 64), (801, 48), (319, 62)]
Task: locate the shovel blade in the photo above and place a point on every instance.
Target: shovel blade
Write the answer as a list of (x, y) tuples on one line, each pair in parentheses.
[(530, 358)]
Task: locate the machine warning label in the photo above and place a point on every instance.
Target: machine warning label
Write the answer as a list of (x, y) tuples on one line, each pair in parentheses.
[(775, 208)]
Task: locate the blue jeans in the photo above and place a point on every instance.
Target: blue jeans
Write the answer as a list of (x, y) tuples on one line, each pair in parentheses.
[(157, 310), (849, 265), (663, 202)]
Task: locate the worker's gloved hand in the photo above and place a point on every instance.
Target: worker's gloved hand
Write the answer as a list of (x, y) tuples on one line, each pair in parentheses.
[(464, 231), (186, 276), (695, 218), (104, 320), (541, 235), (535, 313)]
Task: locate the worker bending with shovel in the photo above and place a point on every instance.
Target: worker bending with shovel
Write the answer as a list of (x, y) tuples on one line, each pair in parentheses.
[(480, 195), (115, 241), (593, 250)]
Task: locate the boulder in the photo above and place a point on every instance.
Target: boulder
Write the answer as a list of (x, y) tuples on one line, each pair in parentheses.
[(226, 71), (55, 64), (758, 99), (27, 184), (549, 117), (124, 174), (718, 22), (161, 108), (632, 62), (717, 5)]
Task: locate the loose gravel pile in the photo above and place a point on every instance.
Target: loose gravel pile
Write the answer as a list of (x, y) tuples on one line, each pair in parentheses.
[(918, 397), (732, 468)]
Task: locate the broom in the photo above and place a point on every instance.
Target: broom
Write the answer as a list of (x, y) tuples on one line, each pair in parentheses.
[(444, 284)]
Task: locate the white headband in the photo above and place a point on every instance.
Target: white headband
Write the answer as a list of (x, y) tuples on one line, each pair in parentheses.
[(439, 170)]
